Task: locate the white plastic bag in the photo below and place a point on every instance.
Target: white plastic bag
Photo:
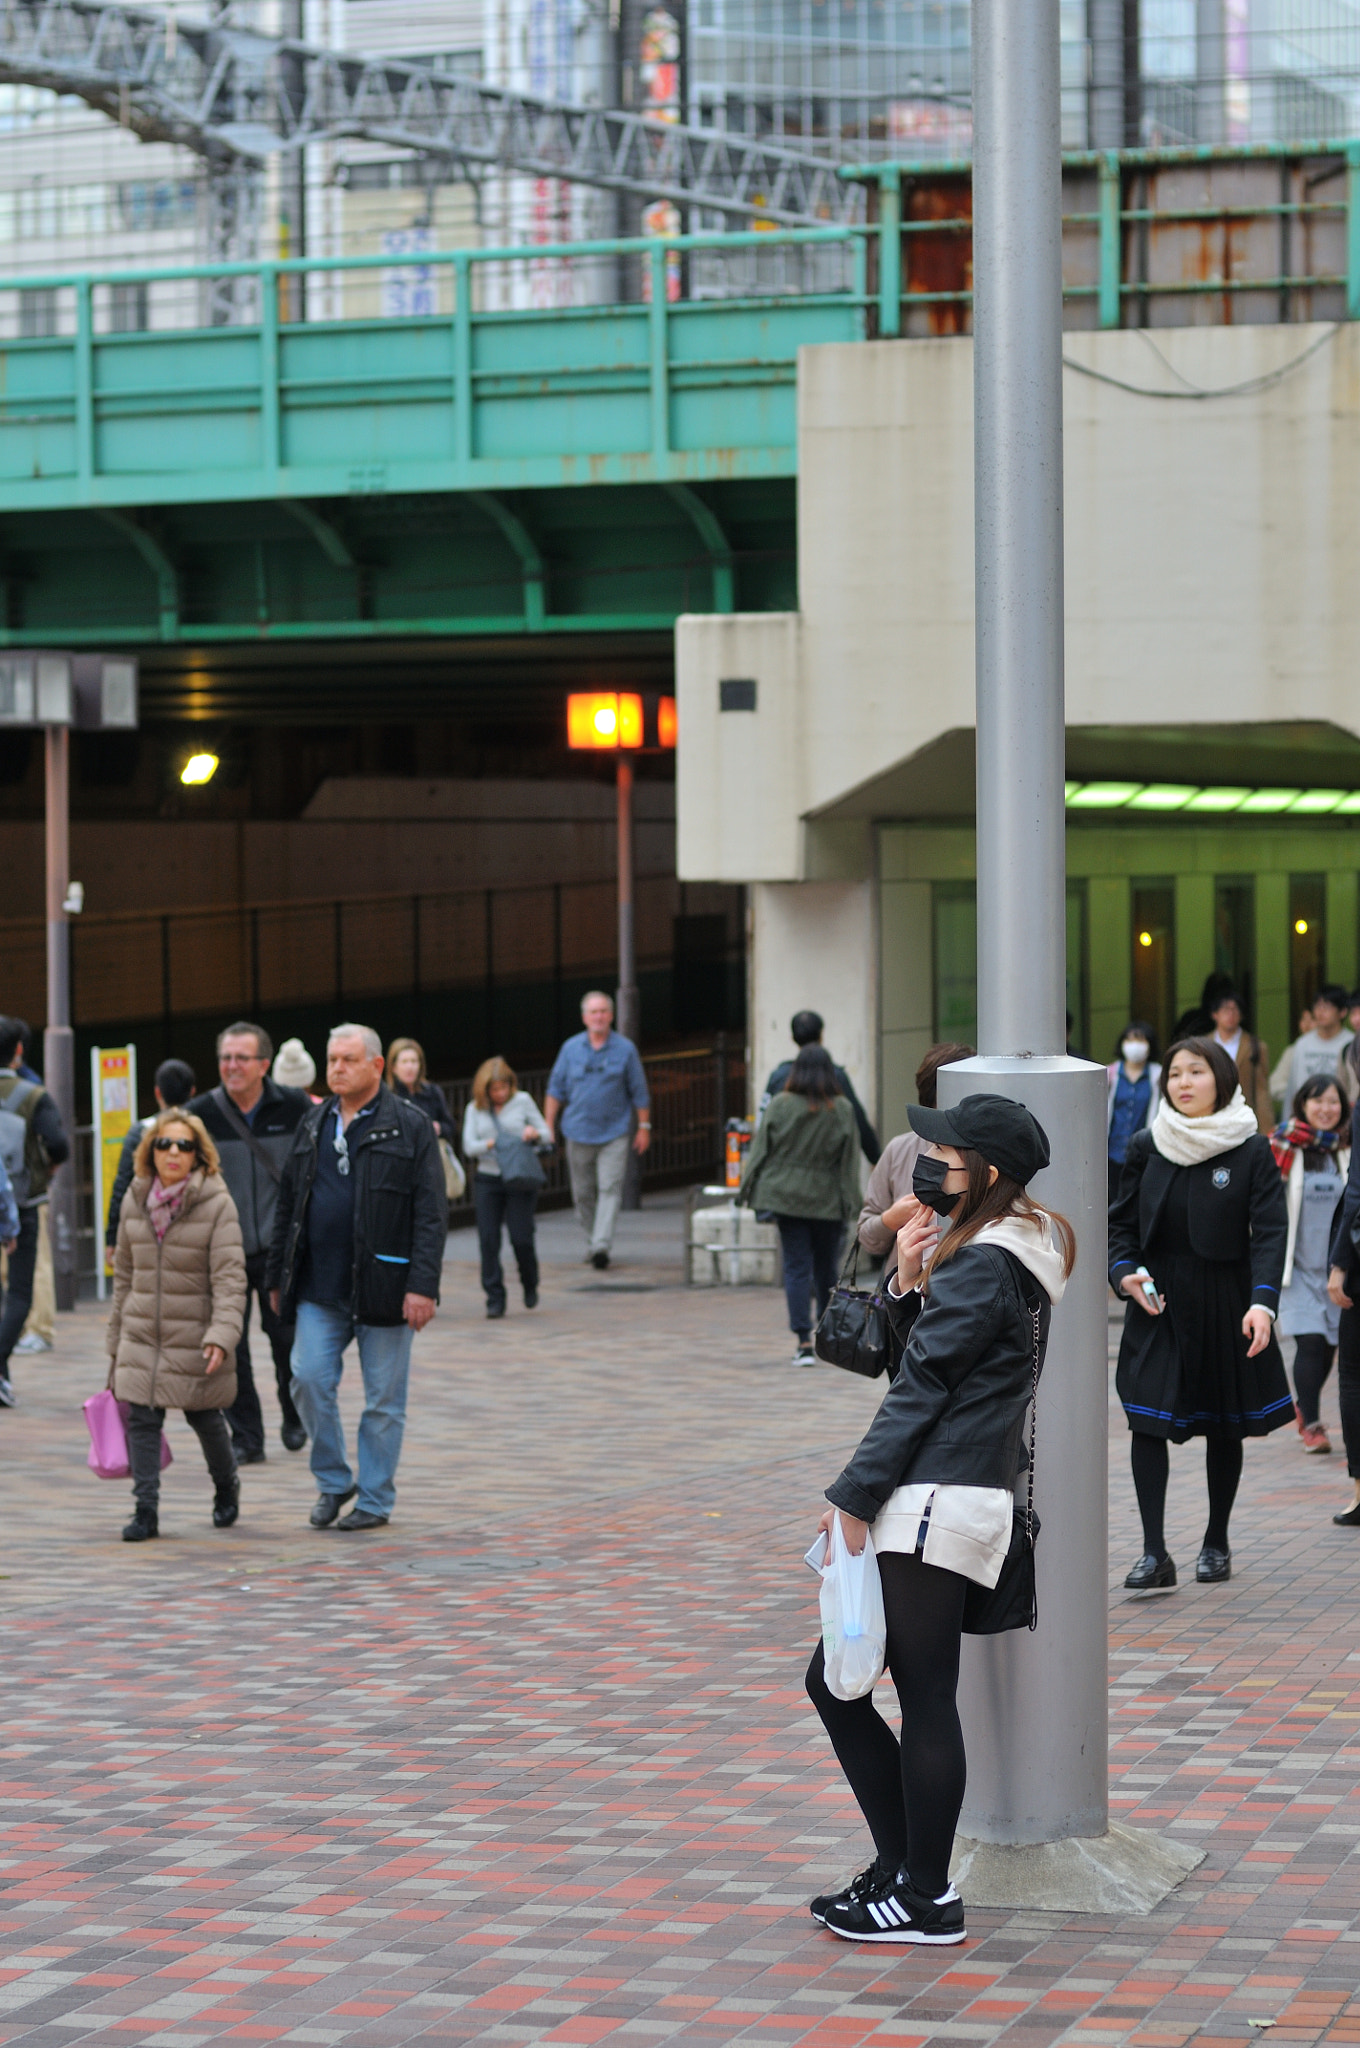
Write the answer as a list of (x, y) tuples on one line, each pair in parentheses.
[(854, 1633)]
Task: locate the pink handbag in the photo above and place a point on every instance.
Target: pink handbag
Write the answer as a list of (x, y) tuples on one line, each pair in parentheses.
[(106, 1420)]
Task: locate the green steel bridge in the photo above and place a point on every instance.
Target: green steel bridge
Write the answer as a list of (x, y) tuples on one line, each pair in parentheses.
[(564, 470)]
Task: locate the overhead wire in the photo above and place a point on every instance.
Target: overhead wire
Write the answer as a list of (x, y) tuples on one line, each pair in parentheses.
[(1249, 387)]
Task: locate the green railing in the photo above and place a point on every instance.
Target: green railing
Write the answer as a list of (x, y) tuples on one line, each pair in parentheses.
[(652, 362)]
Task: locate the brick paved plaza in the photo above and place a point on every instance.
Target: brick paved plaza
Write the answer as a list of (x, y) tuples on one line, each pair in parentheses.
[(534, 1764)]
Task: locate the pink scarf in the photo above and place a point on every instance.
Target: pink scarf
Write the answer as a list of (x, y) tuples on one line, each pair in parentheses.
[(163, 1205)]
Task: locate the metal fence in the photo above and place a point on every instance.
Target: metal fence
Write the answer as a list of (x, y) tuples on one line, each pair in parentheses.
[(693, 1094)]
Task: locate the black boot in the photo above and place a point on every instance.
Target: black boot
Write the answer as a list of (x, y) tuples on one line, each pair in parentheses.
[(226, 1502), (144, 1525)]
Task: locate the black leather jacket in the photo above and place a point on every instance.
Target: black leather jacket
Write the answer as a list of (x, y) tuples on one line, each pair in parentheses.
[(400, 1211), (955, 1413)]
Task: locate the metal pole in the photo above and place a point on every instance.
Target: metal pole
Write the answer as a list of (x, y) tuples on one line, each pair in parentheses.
[(1034, 1706), (59, 1056), (626, 1007), (626, 1004)]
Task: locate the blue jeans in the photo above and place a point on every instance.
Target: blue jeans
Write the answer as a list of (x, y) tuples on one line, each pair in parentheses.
[(322, 1332)]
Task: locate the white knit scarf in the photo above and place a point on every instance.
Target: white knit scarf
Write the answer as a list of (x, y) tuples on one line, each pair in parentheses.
[(1187, 1140)]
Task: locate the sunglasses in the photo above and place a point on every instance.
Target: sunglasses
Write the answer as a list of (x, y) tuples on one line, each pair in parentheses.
[(174, 1144)]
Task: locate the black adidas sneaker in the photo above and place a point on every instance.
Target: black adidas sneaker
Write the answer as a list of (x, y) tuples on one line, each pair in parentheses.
[(897, 1912), (871, 1880)]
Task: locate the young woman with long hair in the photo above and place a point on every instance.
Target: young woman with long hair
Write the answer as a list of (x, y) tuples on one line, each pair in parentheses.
[(1313, 1152), (935, 1478)]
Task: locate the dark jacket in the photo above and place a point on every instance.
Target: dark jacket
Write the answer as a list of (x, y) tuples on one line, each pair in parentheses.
[(1237, 1211), (804, 1160), (400, 1210), (122, 1179), (955, 1413), (868, 1136), (251, 1185), (46, 1144), (429, 1097), (1344, 1251)]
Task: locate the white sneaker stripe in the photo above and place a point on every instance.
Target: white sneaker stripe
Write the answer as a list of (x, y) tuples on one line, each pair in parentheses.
[(880, 1919)]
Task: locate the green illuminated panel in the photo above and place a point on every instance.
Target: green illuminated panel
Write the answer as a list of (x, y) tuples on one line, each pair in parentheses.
[(1102, 796), (1222, 799), (1264, 800), (1163, 796), (1317, 801)]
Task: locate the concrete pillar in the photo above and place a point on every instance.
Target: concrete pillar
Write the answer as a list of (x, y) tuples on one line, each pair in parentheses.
[(1272, 1020), (1108, 942), (907, 970), (1343, 908), (814, 946)]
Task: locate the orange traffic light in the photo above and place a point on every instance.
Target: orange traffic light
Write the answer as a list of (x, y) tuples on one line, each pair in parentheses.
[(667, 724), (604, 719)]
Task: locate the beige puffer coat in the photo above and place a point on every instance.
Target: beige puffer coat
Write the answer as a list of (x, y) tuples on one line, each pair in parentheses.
[(173, 1297)]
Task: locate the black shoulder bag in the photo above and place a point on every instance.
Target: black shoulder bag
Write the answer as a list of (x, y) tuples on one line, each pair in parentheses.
[(243, 1130), (854, 1331), (1013, 1602)]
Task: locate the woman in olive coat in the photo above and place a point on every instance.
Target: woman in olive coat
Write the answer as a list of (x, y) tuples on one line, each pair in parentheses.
[(803, 1167), (179, 1298)]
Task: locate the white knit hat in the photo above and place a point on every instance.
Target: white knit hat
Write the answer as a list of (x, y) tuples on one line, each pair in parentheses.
[(294, 1066)]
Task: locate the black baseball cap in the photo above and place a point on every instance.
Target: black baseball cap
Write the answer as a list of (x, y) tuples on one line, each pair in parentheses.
[(1004, 1132)]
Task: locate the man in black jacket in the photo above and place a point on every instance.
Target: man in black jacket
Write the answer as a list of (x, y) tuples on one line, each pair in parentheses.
[(806, 1028), (358, 1244), (252, 1122), (44, 1146)]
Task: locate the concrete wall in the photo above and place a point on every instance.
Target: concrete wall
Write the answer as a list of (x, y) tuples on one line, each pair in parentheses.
[(814, 946), (1209, 571)]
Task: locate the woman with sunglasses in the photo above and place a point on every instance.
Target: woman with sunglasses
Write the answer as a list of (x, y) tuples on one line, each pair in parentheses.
[(179, 1297)]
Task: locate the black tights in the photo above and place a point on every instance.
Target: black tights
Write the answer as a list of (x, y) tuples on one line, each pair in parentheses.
[(910, 1792), (1312, 1364), (1151, 1466)]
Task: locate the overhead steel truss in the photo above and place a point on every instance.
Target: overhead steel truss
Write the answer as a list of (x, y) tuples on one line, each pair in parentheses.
[(236, 97)]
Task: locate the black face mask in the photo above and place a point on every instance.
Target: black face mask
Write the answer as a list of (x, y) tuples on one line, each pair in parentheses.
[(927, 1184)]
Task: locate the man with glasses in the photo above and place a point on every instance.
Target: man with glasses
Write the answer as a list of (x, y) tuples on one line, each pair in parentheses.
[(358, 1245), (252, 1121)]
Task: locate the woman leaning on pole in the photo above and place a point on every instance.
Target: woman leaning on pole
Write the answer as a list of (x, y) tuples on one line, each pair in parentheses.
[(935, 1478), (1197, 1244)]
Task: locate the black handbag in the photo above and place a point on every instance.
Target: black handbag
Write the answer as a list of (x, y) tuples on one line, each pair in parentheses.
[(1013, 1601), (854, 1331)]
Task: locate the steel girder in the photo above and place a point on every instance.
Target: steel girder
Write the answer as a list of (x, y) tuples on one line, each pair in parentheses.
[(236, 97)]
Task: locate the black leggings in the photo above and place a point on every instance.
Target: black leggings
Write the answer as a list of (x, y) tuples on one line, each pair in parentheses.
[(910, 1792), (1151, 1467), (1312, 1364)]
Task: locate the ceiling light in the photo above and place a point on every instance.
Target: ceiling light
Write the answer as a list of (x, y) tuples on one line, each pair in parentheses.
[(1102, 796), (199, 768), (1224, 798), (1317, 801), (1264, 800)]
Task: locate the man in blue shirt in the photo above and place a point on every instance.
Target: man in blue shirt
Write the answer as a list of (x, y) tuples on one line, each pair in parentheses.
[(596, 1083)]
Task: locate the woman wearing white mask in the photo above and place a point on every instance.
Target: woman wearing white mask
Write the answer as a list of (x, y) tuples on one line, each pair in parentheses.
[(1131, 1097), (1197, 1243)]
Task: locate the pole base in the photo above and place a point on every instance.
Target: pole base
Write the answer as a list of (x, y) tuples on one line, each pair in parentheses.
[(1128, 1870)]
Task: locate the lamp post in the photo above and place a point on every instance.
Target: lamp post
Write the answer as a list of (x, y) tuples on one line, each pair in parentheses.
[(55, 691), (623, 724), (1035, 1707)]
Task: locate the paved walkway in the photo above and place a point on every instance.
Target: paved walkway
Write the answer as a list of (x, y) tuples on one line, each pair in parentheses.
[(535, 1763)]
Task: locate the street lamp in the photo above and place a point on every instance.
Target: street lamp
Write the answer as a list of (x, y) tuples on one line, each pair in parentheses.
[(94, 693), (622, 723)]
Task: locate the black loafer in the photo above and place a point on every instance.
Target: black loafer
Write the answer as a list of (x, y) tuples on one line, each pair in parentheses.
[(494, 1309), (1152, 1575), (328, 1506), (531, 1297), (1213, 1566), (294, 1436), (1351, 1518), (361, 1518), (259, 1457)]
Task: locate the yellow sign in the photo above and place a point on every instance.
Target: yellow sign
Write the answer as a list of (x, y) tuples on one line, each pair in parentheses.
[(113, 1094)]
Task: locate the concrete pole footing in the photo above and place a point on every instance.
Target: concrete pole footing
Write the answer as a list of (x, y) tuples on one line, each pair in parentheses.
[(1127, 1870)]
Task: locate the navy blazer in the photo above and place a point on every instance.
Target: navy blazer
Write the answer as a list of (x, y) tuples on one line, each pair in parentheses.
[(1237, 1211)]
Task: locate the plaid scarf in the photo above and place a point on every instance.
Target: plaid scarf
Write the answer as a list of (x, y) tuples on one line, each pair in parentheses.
[(1295, 1134)]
